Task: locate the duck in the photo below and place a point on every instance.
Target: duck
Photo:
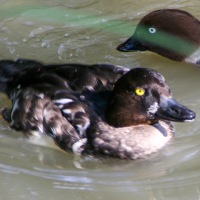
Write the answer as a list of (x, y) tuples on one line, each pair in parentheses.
[(171, 33), (99, 109)]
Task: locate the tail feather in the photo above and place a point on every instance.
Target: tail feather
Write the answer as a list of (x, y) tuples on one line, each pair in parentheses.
[(8, 70)]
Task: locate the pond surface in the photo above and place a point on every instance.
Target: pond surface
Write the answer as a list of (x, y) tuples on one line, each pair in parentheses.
[(88, 31)]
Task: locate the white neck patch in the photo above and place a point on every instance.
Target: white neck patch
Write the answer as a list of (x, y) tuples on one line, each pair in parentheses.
[(194, 57), (153, 108)]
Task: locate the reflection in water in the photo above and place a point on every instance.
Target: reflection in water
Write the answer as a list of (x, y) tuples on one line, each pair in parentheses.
[(61, 31)]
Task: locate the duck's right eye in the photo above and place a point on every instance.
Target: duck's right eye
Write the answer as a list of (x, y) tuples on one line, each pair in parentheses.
[(139, 91), (152, 30)]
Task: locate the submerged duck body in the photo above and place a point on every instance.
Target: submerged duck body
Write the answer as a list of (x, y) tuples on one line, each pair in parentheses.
[(172, 33), (98, 109)]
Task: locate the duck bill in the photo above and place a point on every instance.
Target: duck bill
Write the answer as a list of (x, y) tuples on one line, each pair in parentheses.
[(171, 110), (131, 45)]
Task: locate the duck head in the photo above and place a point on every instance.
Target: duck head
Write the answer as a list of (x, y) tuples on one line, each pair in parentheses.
[(142, 96), (172, 33)]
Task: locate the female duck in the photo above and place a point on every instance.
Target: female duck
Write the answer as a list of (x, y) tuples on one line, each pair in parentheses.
[(96, 109), (172, 33)]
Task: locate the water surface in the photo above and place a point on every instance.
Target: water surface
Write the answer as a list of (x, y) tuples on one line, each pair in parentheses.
[(88, 31)]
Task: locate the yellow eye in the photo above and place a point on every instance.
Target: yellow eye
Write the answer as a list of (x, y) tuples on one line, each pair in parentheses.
[(139, 91)]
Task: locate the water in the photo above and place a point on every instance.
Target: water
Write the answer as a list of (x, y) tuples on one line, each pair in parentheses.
[(88, 31)]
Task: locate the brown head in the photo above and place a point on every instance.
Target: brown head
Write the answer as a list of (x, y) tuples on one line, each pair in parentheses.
[(172, 33), (142, 96)]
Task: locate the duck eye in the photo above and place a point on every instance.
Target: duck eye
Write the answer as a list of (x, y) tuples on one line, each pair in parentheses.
[(152, 30), (139, 91)]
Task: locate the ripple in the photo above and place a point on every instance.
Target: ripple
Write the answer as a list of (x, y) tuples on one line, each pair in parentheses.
[(95, 180), (79, 3)]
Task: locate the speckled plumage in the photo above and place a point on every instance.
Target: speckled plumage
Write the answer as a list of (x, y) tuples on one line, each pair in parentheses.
[(92, 109)]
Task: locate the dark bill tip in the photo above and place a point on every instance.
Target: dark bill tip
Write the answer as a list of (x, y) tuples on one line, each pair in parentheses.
[(173, 111), (125, 47), (131, 45)]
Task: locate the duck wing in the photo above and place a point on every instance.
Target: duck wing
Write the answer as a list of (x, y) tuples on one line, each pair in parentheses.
[(59, 100)]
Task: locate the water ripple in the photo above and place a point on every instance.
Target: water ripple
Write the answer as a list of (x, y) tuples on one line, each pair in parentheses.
[(93, 180)]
